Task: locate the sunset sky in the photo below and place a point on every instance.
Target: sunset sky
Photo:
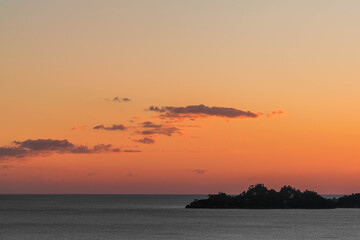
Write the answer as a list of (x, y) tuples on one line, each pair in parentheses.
[(179, 96)]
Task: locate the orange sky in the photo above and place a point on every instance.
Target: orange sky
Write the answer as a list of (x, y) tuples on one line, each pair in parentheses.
[(202, 65)]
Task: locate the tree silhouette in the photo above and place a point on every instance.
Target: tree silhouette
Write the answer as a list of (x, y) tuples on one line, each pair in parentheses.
[(260, 197)]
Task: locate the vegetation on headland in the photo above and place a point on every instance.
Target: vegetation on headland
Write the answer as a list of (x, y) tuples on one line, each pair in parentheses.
[(259, 197)]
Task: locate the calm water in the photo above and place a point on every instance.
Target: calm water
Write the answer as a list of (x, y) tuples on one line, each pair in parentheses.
[(161, 217)]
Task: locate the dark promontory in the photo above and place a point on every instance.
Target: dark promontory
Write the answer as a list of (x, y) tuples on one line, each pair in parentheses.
[(259, 197)]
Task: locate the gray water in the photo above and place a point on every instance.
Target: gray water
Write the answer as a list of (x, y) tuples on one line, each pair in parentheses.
[(90, 217)]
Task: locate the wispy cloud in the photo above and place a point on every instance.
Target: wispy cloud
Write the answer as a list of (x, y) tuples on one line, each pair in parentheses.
[(124, 99), (118, 99), (145, 140), (78, 128), (114, 127), (132, 150), (150, 128), (149, 124), (200, 111), (21, 149), (277, 112), (197, 171)]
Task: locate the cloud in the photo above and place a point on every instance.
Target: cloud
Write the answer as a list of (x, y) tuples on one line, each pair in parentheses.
[(168, 131), (8, 152), (197, 111), (116, 150), (96, 149), (145, 140), (150, 129), (47, 146), (197, 171), (151, 125), (277, 112), (131, 151), (114, 127), (44, 144), (119, 100)]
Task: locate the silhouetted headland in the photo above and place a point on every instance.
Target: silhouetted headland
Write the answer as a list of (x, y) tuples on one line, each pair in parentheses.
[(259, 197)]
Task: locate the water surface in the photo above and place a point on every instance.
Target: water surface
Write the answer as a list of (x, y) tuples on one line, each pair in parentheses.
[(95, 217)]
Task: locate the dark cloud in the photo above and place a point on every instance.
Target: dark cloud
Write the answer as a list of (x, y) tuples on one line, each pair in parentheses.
[(146, 140), (114, 127), (150, 129), (8, 152), (197, 171), (277, 112), (201, 110), (124, 99), (46, 146)]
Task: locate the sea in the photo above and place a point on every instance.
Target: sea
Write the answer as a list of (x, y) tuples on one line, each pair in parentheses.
[(102, 217)]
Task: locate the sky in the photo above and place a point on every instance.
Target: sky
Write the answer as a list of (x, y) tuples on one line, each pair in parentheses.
[(179, 97)]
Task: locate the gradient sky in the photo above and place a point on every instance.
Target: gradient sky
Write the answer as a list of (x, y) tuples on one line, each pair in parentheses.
[(242, 92)]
